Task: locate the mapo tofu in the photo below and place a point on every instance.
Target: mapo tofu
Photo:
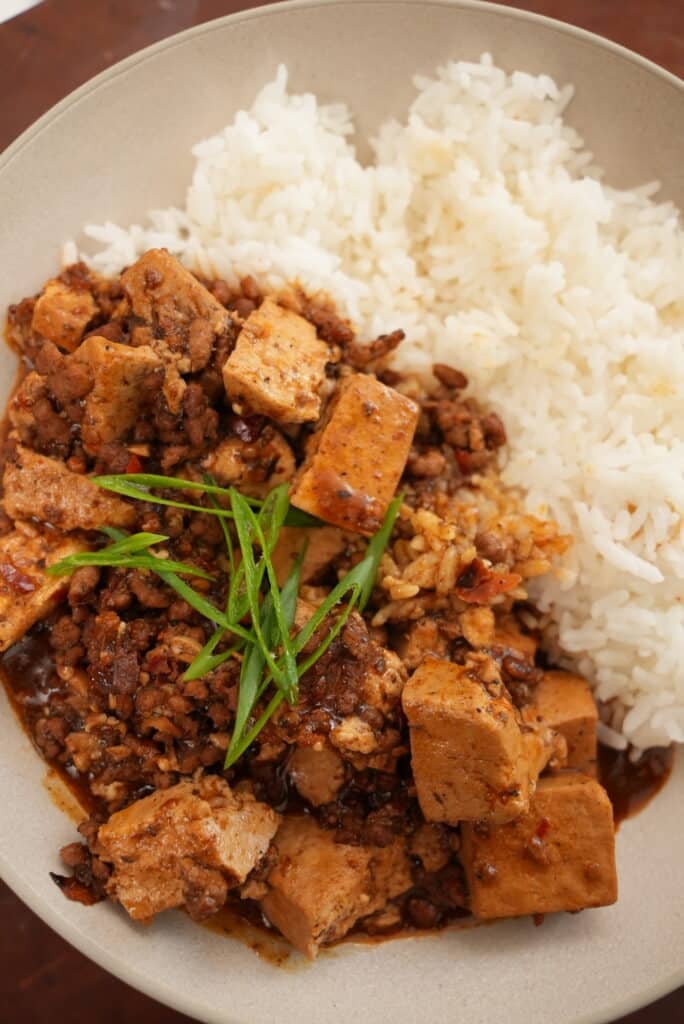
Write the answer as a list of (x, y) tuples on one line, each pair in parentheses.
[(279, 689)]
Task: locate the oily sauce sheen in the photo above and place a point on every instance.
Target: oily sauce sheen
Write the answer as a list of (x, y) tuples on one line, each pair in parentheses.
[(632, 784), (28, 675), (27, 672)]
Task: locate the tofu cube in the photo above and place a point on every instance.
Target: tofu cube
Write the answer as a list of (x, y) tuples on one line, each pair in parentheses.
[(319, 888), (114, 402), (277, 366), (558, 856), (254, 467), (169, 298), (469, 756), (42, 488), (165, 845), (322, 545), (62, 313), (27, 594), (316, 773), (564, 702), (357, 457)]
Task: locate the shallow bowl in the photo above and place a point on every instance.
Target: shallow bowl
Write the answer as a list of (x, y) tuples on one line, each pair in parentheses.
[(120, 145)]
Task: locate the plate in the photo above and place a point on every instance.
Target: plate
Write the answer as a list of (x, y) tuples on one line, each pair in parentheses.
[(120, 145)]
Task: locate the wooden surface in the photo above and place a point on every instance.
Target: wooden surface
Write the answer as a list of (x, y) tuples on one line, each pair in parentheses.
[(44, 54)]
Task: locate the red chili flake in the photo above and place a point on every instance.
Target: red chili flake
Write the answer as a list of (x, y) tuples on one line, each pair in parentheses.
[(134, 465), (477, 584), (538, 919), (543, 827), (17, 580)]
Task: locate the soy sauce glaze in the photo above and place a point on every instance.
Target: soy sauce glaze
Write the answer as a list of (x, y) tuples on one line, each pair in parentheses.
[(28, 674), (633, 784), (27, 671)]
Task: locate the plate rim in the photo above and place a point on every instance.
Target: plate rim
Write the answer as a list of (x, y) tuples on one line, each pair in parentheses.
[(65, 928)]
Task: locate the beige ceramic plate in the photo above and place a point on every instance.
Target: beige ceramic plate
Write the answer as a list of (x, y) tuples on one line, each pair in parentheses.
[(120, 145)]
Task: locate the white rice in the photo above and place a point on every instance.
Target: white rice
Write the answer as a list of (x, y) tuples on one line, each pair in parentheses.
[(483, 230)]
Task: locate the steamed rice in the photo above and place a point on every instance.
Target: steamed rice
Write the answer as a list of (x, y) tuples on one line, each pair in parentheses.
[(484, 231)]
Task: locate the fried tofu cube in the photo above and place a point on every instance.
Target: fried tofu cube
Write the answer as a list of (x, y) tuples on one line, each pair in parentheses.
[(469, 757), (322, 546), (184, 845), (319, 888), (113, 404), (42, 488), (564, 702), (27, 593), (558, 856), (316, 773), (62, 314), (254, 467), (277, 367), (356, 458), (164, 294)]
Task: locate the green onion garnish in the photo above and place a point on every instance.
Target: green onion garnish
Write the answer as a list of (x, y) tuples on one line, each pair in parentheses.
[(139, 486), (259, 615)]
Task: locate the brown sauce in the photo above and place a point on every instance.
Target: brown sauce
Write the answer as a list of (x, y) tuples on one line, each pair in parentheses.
[(28, 674), (632, 784), (64, 795), (241, 922)]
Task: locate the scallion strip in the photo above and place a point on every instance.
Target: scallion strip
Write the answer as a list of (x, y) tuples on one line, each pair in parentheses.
[(244, 524), (138, 486), (246, 742)]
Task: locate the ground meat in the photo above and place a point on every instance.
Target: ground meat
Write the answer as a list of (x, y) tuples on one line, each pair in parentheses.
[(491, 547), (330, 326), (112, 657), (428, 463), (493, 430), (149, 594), (422, 913), (20, 334), (335, 682), (89, 875), (450, 376), (361, 356), (521, 678), (82, 585), (64, 634), (67, 381), (50, 432), (199, 420), (112, 457)]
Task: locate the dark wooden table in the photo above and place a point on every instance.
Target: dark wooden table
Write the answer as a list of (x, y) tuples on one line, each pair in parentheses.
[(44, 54)]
